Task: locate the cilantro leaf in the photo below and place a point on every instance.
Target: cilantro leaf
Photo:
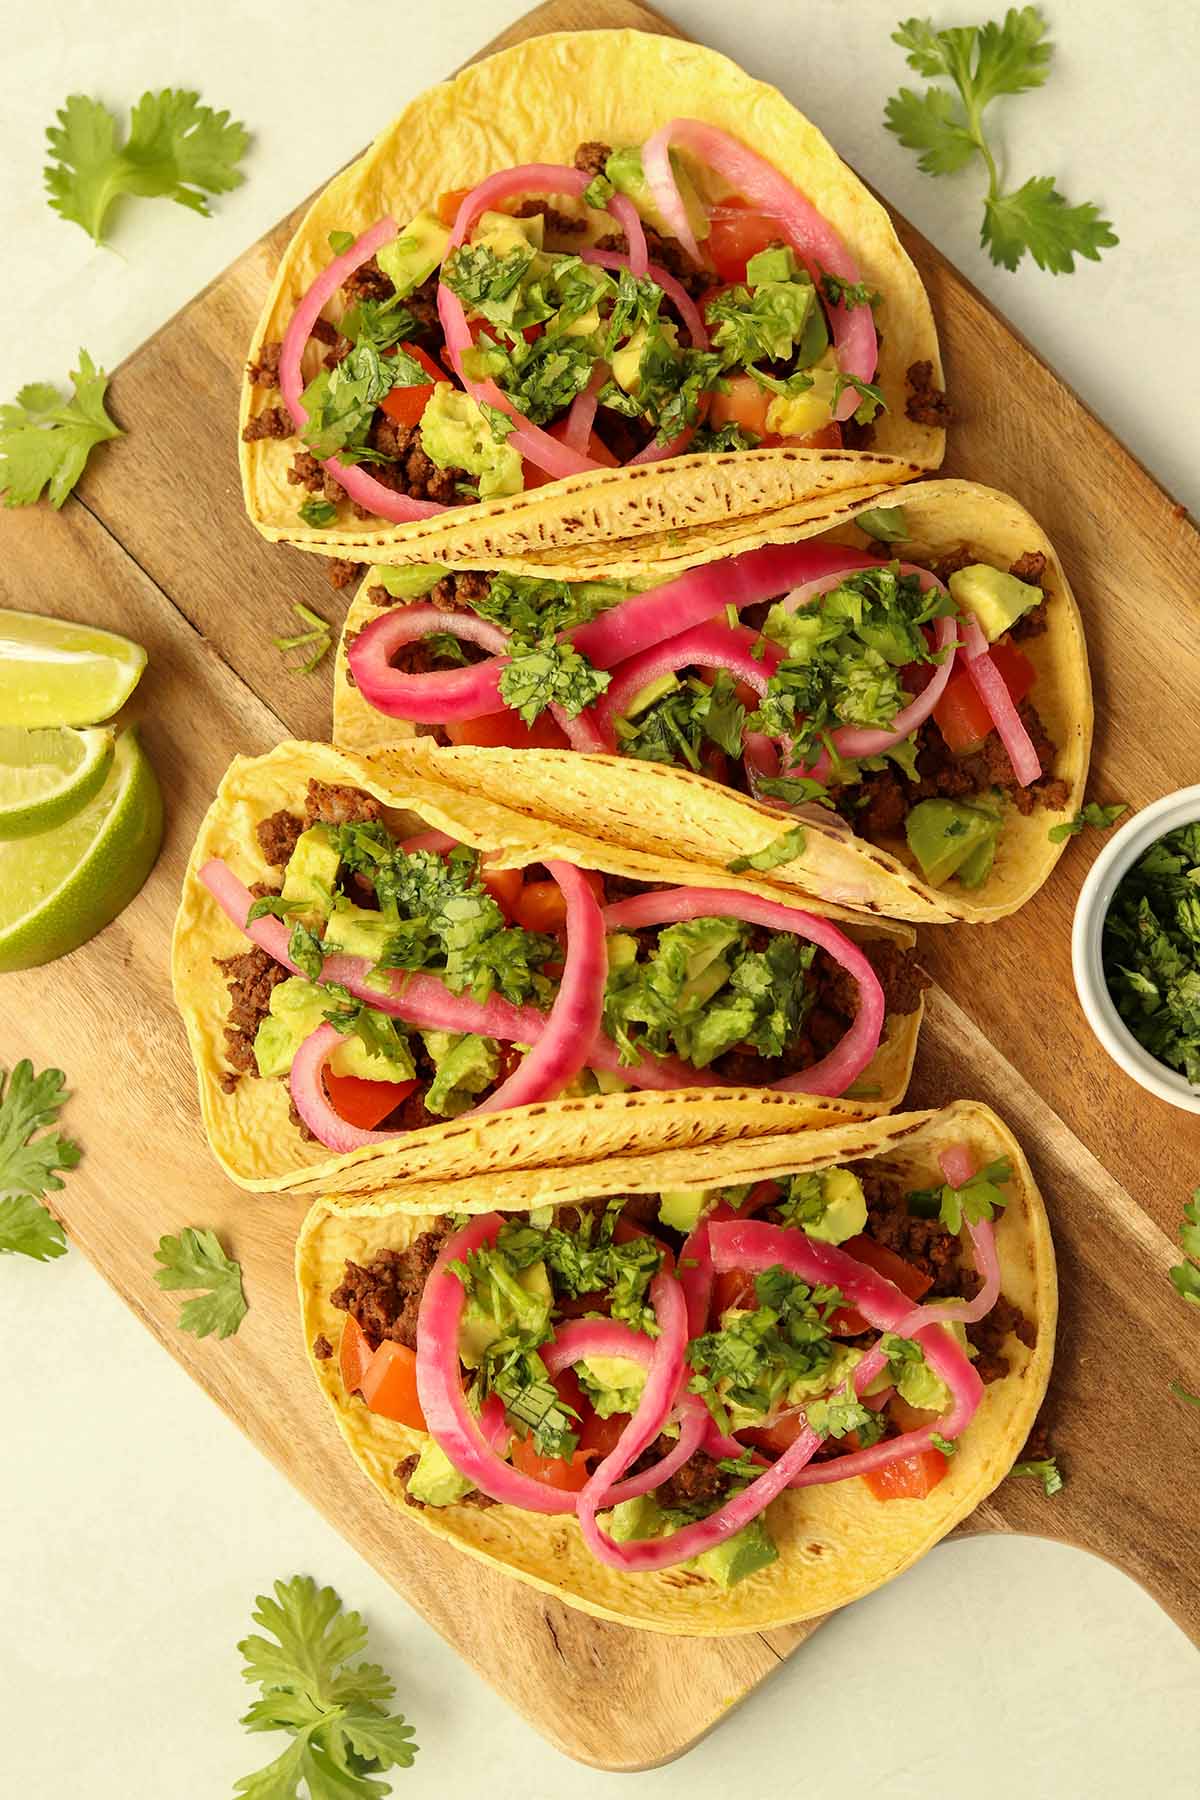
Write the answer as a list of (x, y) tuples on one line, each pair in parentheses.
[(46, 440), (1185, 1278), (1045, 1471), (1181, 1393), (28, 1163), (1101, 818), (1189, 1230), (343, 1737), (947, 131), (27, 1228), (549, 672), (1151, 950), (315, 643), (176, 149), (195, 1259), (318, 512), (783, 849)]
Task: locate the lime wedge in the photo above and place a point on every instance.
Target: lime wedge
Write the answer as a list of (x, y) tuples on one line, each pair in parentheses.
[(55, 673), (46, 776), (60, 888)]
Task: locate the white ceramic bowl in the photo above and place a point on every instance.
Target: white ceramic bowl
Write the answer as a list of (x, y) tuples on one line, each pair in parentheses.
[(1095, 897)]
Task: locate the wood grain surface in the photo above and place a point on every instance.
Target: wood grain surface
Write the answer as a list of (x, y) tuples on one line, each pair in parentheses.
[(156, 545)]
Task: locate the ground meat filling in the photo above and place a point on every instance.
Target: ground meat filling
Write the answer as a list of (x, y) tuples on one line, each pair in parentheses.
[(341, 572), (926, 403), (277, 837), (384, 1298), (272, 422), (250, 976), (558, 224), (264, 370), (322, 1348), (327, 804)]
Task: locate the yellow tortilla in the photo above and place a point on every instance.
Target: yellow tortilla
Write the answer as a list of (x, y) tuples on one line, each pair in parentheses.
[(836, 1542), (249, 1129), (536, 103), (643, 804)]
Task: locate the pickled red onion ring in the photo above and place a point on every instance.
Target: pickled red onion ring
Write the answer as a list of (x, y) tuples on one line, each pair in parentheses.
[(437, 841), (629, 219), (581, 416), (709, 646), (676, 293), (307, 1084), (992, 689), (694, 1270), (814, 240), (958, 1166), (360, 486), (834, 1073), (432, 697)]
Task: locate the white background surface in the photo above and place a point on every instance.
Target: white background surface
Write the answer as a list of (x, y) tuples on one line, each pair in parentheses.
[(137, 1523)]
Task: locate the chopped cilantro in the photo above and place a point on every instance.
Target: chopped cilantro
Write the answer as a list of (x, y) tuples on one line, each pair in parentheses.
[(315, 643), (729, 436), (781, 850), (304, 949), (45, 441), (976, 1200), (598, 192), (677, 726), (800, 790), (195, 1259), (341, 402), (549, 672), (1151, 950), (318, 512), (753, 1359), (1046, 1471), (848, 294), (1182, 1393), (947, 1446), (984, 61), (1185, 1276), (340, 241), (1101, 818), (29, 1164)]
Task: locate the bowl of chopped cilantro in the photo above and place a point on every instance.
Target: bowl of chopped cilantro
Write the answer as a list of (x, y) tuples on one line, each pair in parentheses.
[(1136, 948)]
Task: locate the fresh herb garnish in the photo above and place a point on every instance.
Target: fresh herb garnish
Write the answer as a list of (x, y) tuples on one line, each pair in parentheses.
[(1181, 1393), (306, 951), (1046, 1471), (1185, 1276), (177, 149), (848, 293), (1101, 818), (751, 1362), (343, 1738), (977, 1199), (28, 1164), (316, 642), (549, 672), (947, 1446), (781, 850), (318, 512), (984, 61), (45, 440), (1151, 950), (195, 1259)]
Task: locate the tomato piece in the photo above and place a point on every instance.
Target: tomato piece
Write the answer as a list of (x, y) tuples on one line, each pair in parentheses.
[(551, 1471), (542, 905), (449, 203), (912, 1283), (738, 231), (433, 369), (503, 885), (777, 1437), (364, 1103), (597, 1436), (733, 1287), (507, 731), (406, 405), (909, 1478), (961, 716), (744, 404), (355, 1354), (389, 1385), (829, 437)]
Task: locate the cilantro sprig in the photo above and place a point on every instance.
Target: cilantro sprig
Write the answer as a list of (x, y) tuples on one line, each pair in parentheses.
[(195, 1259), (1185, 1276), (984, 62), (1151, 950), (1046, 1471), (783, 849), (976, 1200), (342, 1735), (315, 641), (176, 149), (45, 439), (28, 1163), (1100, 818)]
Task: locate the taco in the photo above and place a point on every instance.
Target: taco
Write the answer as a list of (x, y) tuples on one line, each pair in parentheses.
[(382, 977), (562, 300), (708, 1391), (811, 684)]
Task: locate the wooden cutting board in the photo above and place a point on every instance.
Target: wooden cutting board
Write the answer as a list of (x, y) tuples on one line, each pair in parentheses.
[(155, 545)]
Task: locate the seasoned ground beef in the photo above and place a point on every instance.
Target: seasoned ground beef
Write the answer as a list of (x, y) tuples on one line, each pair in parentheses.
[(900, 975), (307, 472), (669, 254), (923, 1242), (385, 1297), (989, 1333), (699, 1482), (926, 404), (368, 282), (328, 804), (409, 470), (1030, 566), (342, 572), (322, 1348), (558, 224), (264, 370), (457, 589), (307, 1136), (592, 156), (273, 422), (950, 562), (277, 836), (404, 1472), (427, 327), (1030, 624), (857, 436), (625, 438), (251, 975)]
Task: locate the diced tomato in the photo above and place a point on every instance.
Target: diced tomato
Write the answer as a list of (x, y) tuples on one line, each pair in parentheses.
[(744, 404), (542, 906), (598, 1436), (405, 405), (738, 231), (763, 1193), (449, 203), (777, 1437), (355, 1354), (962, 718), (733, 1287), (504, 885), (507, 731), (389, 1385), (551, 1471), (909, 1478), (714, 763), (364, 1103), (829, 437), (847, 1321), (741, 689)]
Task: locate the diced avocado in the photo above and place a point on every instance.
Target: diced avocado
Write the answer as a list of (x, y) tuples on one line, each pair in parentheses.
[(478, 1328), (978, 866), (627, 362), (831, 1375), (466, 1066), (407, 583), (456, 435), (624, 170), (917, 1383), (642, 1517), (435, 1481), (622, 950), (778, 263), (680, 1208), (845, 1212), (996, 598), (297, 1007), (358, 930), (748, 1550), (412, 257), (796, 415), (311, 871), (653, 690), (503, 234), (609, 1082), (613, 1383), (944, 834)]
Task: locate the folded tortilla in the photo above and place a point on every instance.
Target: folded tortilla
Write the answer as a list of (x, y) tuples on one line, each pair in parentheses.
[(835, 1542), (536, 103), (249, 1128), (644, 804)]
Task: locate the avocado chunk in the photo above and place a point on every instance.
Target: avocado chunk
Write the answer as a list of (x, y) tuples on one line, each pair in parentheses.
[(312, 869), (680, 1208), (945, 834), (627, 362), (456, 435), (415, 253), (357, 930), (978, 866), (466, 1066), (845, 1213), (622, 950), (526, 1306), (996, 598), (502, 233), (920, 1387), (613, 1384), (407, 583), (624, 169), (747, 1551), (297, 1007), (435, 1481), (653, 691), (642, 1517)]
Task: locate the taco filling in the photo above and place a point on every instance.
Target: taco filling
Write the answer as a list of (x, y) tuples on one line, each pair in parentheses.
[(663, 1366), (395, 983), (827, 682), (555, 320)]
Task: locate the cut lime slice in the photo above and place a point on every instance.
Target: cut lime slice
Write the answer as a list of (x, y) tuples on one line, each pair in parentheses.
[(60, 888), (46, 776), (55, 673)]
